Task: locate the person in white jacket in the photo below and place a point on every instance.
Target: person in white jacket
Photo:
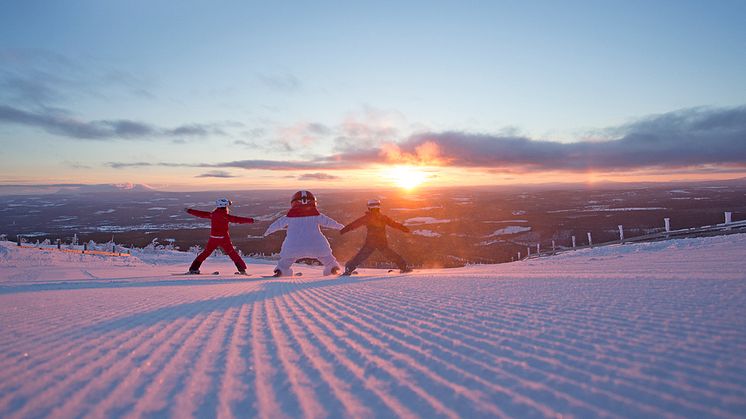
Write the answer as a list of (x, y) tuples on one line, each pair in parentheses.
[(304, 238)]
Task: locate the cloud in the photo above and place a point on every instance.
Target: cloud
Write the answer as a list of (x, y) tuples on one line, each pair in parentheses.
[(76, 165), (682, 139), (277, 165), (689, 137), (281, 165), (59, 122), (35, 84), (121, 165), (370, 127), (251, 135), (217, 174), (317, 176), (39, 77), (280, 82), (301, 135)]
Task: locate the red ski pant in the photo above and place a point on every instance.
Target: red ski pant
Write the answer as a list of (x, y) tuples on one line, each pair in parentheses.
[(225, 244)]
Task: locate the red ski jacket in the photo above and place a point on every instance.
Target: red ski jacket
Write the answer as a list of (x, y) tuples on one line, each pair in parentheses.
[(219, 220)]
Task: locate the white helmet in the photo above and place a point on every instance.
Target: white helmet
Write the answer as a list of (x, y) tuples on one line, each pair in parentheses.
[(374, 203), (303, 197), (223, 203)]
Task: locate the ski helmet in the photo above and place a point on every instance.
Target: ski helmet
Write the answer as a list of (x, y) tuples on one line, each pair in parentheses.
[(304, 197), (223, 203), (374, 203)]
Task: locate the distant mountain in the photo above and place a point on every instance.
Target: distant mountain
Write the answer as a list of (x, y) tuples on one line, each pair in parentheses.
[(106, 188)]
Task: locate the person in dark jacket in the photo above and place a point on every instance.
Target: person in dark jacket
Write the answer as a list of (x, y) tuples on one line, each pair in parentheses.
[(376, 238), (219, 236)]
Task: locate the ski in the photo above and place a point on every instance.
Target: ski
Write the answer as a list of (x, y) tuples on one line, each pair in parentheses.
[(191, 273), (277, 275)]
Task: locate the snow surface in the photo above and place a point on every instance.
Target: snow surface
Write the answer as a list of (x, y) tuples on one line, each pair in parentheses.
[(509, 230), (645, 330)]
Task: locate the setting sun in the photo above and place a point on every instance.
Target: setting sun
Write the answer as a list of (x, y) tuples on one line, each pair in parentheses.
[(406, 177)]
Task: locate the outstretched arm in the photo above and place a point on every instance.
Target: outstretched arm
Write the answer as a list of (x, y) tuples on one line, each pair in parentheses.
[(355, 224), (279, 224), (329, 223), (398, 226), (240, 220), (198, 213)]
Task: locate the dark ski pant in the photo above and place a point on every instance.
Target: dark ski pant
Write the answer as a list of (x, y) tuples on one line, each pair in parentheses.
[(225, 244), (368, 249)]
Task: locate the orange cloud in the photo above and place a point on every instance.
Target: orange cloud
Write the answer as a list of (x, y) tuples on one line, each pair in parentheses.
[(425, 154)]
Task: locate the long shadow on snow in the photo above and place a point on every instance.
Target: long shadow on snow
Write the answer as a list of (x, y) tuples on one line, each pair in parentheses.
[(189, 310), (118, 283)]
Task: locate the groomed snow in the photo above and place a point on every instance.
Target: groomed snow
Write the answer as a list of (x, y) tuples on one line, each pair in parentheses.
[(647, 330)]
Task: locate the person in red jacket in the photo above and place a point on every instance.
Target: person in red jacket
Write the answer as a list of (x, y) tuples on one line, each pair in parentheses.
[(376, 238), (219, 236)]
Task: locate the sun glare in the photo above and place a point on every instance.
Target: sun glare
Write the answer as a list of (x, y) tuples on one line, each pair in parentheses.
[(405, 177)]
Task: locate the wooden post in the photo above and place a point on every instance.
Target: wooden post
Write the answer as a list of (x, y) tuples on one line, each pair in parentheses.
[(667, 221), (590, 240), (621, 233)]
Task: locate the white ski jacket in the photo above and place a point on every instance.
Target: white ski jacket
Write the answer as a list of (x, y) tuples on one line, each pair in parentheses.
[(304, 238)]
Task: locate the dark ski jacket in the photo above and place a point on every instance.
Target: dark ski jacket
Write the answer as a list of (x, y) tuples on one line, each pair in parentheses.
[(376, 224), (219, 220)]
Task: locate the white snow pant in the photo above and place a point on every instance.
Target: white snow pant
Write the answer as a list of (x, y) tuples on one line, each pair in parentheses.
[(329, 262)]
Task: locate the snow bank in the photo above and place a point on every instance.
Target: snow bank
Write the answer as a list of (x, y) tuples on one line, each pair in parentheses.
[(509, 230), (425, 220), (426, 233)]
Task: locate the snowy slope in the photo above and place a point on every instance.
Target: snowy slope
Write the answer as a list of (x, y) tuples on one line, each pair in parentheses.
[(637, 330)]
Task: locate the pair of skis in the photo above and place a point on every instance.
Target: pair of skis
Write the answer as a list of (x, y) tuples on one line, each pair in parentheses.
[(273, 276), (213, 273)]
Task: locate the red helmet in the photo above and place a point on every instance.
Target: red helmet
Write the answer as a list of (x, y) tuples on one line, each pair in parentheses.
[(303, 197)]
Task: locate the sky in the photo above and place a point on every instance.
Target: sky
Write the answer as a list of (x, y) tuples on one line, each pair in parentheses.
[(196, 95)]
